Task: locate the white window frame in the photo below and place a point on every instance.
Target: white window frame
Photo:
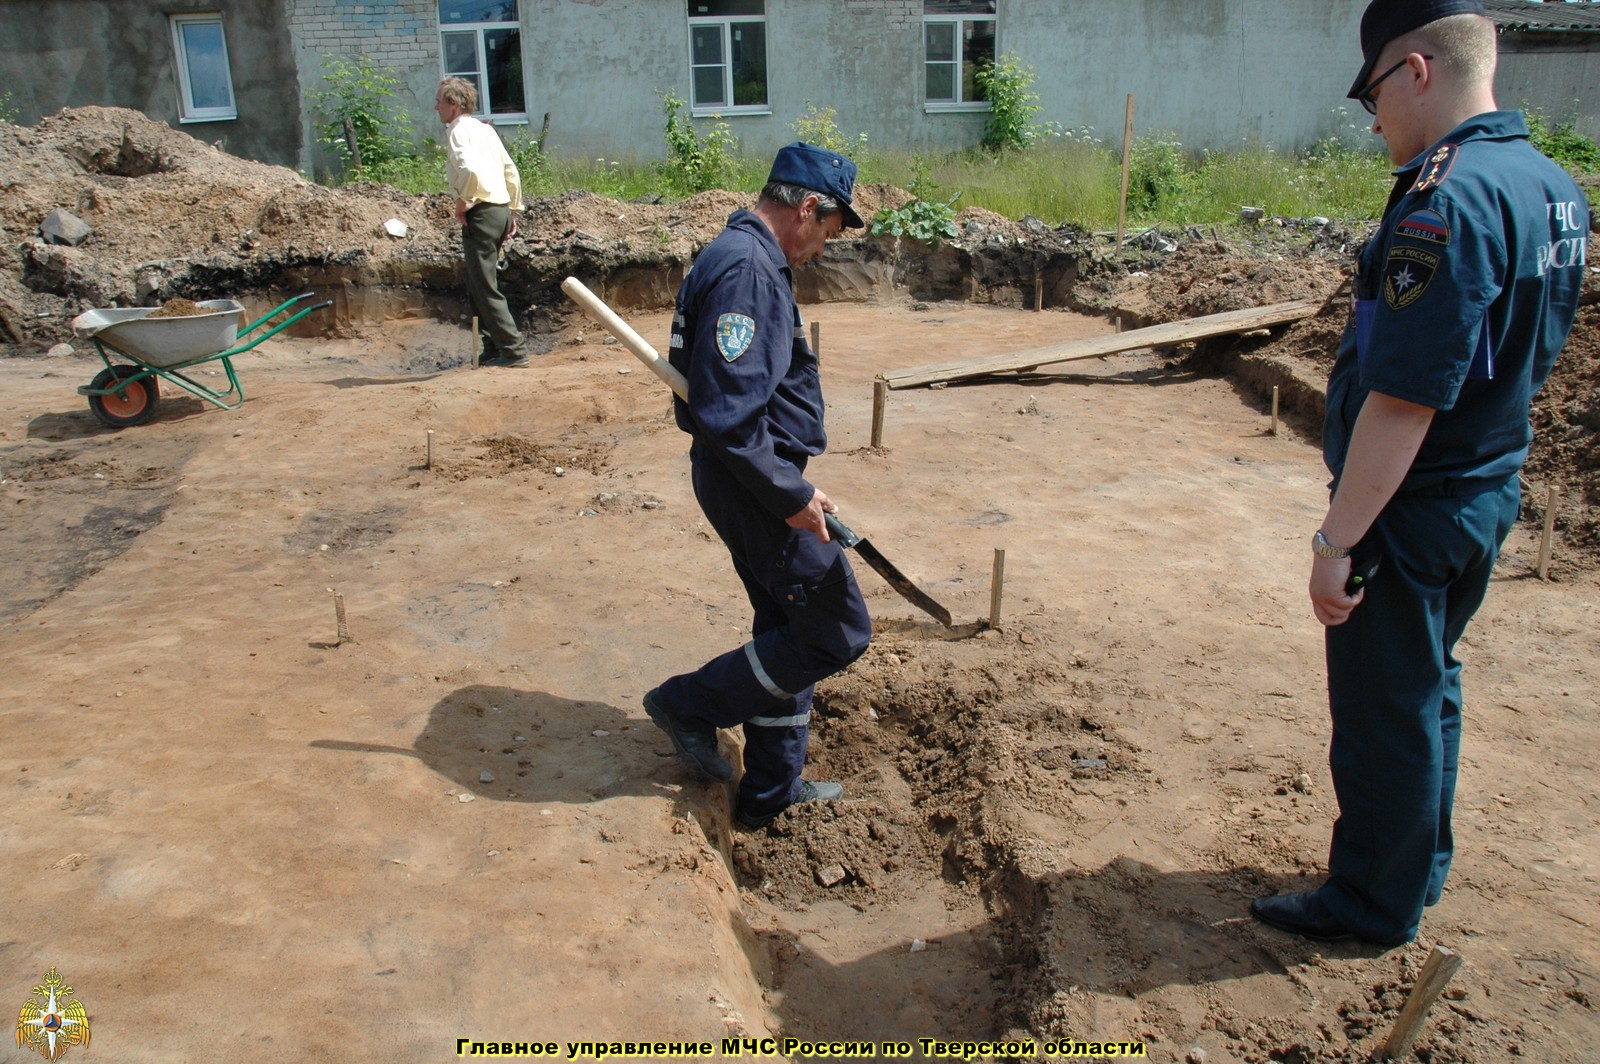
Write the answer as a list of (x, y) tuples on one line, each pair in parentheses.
[(477, 29), (957, 22), (188, 110), (725, 22)]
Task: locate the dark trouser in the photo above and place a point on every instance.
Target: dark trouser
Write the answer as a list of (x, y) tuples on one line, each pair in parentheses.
[(810, 622), (1394, 688), (487, 225)]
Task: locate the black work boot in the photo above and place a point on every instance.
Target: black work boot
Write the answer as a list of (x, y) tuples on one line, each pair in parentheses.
[(820, 791), (696, 743)]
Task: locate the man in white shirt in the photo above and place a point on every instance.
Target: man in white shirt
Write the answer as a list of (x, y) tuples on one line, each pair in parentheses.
[(487, 189)]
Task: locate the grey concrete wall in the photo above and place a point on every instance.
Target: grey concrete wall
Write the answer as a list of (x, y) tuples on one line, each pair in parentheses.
[(1559, 80), (118, 53), (1218, 72)]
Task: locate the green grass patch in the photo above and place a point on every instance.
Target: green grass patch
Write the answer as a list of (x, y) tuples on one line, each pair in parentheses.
[(1062, 180)]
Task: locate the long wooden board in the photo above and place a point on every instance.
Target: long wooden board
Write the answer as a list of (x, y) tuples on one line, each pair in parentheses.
[(1174, 332)]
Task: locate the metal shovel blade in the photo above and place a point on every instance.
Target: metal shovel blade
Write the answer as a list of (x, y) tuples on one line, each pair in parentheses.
[(885, 568)]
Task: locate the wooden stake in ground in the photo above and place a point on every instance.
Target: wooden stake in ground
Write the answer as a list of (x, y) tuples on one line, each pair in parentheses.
[(997, 587), (342, 630), (1549, 532), (1038, 291), (816, 340), (1274, 409), (880, 398), (429, 463), (1443, 963), (1127, 157), (474, 341)]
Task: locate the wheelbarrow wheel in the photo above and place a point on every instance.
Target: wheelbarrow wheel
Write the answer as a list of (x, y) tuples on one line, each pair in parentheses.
[(134, 405)]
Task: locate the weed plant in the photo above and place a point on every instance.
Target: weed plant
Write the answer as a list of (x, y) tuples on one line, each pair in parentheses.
[(1563, 142)]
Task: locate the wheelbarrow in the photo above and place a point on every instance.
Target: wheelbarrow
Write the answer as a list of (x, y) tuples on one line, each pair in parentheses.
[(123, 395)]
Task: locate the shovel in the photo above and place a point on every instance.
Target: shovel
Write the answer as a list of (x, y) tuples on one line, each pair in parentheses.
[(596, 308)]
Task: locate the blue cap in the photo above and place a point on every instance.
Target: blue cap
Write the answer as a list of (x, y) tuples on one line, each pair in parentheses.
[(1385, 20), (819, 170)]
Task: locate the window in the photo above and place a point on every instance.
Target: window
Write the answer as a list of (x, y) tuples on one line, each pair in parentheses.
[(481, 41), (958, 38), (205, 87), (728, 57)]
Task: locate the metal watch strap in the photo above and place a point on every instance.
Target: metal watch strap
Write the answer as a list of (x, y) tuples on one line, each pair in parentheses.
[(1323, 549)]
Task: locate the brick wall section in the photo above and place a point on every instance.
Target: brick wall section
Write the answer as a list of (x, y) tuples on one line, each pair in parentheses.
[(400, 35), (894, 13)]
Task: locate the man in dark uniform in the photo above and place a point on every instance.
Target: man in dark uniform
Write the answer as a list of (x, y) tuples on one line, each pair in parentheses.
[(1463, 301), (755, 415)]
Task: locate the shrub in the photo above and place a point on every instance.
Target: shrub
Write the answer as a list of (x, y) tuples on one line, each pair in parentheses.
[(819, 126), (1006, 83), (1159, 176), (1562, 142), (359, 103), (696, 162)]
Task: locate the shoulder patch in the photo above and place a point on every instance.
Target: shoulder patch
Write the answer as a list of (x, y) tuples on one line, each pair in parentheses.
[(1406, 275), (735, 334), (1437, 168), (1425, 225)]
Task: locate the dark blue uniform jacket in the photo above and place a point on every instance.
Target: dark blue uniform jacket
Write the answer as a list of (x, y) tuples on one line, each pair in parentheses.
[(1463, 300), (755, 397)]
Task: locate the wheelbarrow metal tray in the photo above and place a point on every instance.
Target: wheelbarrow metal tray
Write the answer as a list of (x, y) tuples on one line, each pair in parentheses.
[(164, 342)]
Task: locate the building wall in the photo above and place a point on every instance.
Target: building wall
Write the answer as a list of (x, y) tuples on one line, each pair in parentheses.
[(1554, 73), (1215, 72), (118, 53)]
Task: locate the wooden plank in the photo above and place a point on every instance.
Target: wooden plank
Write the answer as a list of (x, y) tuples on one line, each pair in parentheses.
[(1174, 332)]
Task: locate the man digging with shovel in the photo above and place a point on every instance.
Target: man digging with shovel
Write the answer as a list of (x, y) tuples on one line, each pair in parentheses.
[(755, 415)]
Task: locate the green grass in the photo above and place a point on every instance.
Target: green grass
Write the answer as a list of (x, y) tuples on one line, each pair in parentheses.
[(1061, 181)]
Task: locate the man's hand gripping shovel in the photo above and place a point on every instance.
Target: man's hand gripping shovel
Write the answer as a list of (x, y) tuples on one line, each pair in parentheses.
[(596, 308)]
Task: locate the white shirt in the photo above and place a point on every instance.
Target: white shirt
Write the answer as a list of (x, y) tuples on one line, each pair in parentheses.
[(478, 166)]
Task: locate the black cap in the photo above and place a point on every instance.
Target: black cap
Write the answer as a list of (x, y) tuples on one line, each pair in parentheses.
[(820, 170), (1387, 19)]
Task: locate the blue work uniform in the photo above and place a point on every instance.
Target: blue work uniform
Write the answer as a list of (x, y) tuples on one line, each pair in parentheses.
[(755, 413), (1464, 299)]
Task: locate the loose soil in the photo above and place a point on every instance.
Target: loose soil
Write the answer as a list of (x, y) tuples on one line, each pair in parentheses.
[(452, 818)]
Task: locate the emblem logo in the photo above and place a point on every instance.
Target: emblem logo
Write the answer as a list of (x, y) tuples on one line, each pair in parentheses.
[(1425, 225), (50, 1025), (735, 334), (1406, 276)]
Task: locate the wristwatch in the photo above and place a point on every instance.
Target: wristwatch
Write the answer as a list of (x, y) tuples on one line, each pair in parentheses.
[(1323, 549)]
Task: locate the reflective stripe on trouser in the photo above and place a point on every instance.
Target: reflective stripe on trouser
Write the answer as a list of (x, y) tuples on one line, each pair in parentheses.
[(810, 622), (487, 225), (1394, 691)]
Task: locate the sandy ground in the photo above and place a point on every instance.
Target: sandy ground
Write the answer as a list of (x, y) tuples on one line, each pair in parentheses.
[(238, 839)]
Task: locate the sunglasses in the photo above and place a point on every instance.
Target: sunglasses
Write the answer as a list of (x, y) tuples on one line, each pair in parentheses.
[(1368, 100)]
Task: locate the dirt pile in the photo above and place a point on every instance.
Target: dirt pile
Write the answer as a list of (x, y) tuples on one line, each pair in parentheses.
[(172, 216)]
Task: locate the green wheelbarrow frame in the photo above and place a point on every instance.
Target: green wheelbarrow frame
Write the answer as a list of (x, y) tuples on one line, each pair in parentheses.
[(124, 395)]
